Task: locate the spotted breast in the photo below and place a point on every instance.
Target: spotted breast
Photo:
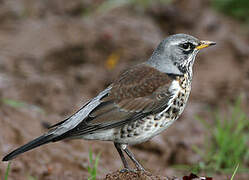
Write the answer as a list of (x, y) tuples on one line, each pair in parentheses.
[(150, 126)]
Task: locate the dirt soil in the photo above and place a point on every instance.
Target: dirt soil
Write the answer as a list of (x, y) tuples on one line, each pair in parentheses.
[(55, 55), (140, 175)]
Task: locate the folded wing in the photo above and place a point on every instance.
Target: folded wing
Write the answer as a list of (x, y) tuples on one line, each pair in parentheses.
[(139, 92)]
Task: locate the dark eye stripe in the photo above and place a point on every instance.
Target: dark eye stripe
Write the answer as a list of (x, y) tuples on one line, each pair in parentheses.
[(187, 47)]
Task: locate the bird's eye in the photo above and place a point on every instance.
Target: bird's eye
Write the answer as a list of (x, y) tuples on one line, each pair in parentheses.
[(187, 46)]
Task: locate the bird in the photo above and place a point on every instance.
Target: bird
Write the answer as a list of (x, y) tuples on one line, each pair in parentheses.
[(140, 104)]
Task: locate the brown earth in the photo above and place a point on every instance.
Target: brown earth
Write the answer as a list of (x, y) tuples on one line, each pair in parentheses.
[(140, 175), (54, 56)]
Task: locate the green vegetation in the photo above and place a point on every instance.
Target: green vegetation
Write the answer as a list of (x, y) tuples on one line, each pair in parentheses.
[(7, 172), (235, 171), (13, 103), (228, 143), (18, 104), (235, 8), (93, 166)]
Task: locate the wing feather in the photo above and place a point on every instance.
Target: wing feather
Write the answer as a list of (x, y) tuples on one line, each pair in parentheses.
[(137, 93)]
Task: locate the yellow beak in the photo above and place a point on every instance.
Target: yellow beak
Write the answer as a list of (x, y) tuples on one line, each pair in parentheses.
[(205, 44)]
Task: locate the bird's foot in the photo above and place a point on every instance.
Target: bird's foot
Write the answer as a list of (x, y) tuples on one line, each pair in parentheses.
[(140, 168), (126, 170)]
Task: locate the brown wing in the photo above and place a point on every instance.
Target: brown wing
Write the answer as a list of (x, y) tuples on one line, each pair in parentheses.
[(138, 92)]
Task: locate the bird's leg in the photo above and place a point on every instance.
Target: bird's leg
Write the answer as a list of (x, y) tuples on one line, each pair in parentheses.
[(132, 157), (125, 163)]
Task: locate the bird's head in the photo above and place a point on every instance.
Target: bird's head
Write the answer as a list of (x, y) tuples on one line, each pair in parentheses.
[(176, 54)]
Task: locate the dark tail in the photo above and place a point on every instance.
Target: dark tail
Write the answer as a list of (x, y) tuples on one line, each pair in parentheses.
[(44, 139)]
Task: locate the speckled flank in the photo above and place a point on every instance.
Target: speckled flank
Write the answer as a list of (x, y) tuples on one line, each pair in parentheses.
[(148, 127)]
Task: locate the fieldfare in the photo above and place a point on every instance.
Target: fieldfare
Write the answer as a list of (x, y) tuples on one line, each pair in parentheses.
[(140, 104)]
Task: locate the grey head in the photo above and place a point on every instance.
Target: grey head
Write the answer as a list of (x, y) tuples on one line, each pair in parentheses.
[(176, 54)]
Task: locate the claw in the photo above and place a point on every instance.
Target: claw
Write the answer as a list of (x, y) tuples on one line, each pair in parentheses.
[(126, 170)]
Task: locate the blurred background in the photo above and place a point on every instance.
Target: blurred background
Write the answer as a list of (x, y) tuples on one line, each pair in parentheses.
[(56, 54)]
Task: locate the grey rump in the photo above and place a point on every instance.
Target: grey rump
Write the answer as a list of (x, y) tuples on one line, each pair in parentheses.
[(140, 104)]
